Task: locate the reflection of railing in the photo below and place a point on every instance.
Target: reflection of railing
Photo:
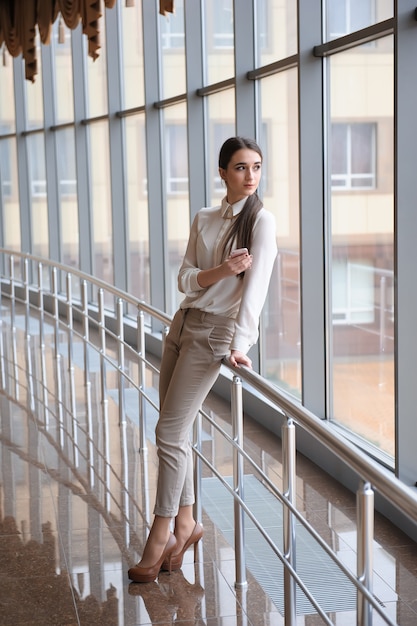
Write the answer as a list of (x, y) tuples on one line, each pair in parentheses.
[(93, 327)]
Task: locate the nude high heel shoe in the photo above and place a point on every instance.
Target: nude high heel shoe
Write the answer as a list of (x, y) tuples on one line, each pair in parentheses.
[(141, 574), (176, 559)]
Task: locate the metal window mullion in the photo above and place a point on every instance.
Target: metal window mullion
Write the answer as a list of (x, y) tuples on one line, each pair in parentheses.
[(247, 115), (245, 90), (24, 178), (312, 213), (154, 157), (405, 235), (196, 135), (85, 219)]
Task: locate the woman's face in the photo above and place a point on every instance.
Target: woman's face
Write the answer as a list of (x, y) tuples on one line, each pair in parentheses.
[(242, 174)]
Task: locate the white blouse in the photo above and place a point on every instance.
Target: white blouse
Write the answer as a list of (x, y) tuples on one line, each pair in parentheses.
[(230, 297)]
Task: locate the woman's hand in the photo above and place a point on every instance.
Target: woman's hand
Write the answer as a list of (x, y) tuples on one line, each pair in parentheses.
[(232, 266), (238, 358), (237, 263)]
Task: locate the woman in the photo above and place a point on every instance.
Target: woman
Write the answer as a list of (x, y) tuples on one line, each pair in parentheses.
[(225, 276)]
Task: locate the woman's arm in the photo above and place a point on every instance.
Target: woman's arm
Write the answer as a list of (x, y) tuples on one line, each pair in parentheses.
[(255, 283)]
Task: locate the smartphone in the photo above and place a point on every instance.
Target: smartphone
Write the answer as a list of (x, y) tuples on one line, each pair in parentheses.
[(239, 251)]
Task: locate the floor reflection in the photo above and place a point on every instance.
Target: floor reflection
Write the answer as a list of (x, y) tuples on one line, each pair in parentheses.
[(172, 599), (77, 489)]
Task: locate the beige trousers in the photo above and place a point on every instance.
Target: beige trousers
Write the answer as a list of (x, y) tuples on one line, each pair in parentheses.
[(195, 346)]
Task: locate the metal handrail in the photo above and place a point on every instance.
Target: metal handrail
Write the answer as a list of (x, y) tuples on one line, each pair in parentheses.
[(371, 475)]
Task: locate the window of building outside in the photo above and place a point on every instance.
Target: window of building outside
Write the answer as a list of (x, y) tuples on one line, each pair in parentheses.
[(353, 153), (361, 270)]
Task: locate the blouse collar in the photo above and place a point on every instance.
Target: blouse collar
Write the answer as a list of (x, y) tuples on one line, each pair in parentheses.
[(236, 207)]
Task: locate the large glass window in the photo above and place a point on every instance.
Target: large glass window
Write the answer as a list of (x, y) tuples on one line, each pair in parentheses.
[(9, 195), (38, 196), (219, 40), (346, 16), (68, 196), (276, 30), (64, 96), (101, 203), (221, 125), (362, 255), (34, 97), (172, 52), (7, 105), (137, 202), (280, 331), (177, 200), (97, 103), (132, 42)]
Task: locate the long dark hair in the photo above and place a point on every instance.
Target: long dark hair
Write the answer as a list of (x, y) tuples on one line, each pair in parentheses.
[(241, 229)]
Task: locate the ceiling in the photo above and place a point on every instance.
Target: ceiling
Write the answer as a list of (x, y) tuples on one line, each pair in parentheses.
[(21, 20)]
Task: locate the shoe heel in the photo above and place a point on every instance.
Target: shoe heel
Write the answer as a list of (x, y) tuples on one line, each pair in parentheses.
[(196, 551)]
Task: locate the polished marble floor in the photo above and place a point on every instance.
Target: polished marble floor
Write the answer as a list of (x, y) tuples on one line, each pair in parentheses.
[(76, 489)]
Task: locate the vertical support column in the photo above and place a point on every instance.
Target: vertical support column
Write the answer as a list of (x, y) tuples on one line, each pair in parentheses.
[(289, 489), (365, 537), (238, 482)]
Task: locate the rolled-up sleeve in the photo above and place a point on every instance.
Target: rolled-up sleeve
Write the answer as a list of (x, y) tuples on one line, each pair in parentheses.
[(256, 282), (188, 272)]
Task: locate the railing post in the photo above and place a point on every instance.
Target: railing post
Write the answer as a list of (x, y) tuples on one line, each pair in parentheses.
[(365, 537), (87, 383), (238, 482), (289, 489), (198, 467), (104, 398), (73, 399), (121, 360), (45, 399), (13, 328), (142, 379)]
